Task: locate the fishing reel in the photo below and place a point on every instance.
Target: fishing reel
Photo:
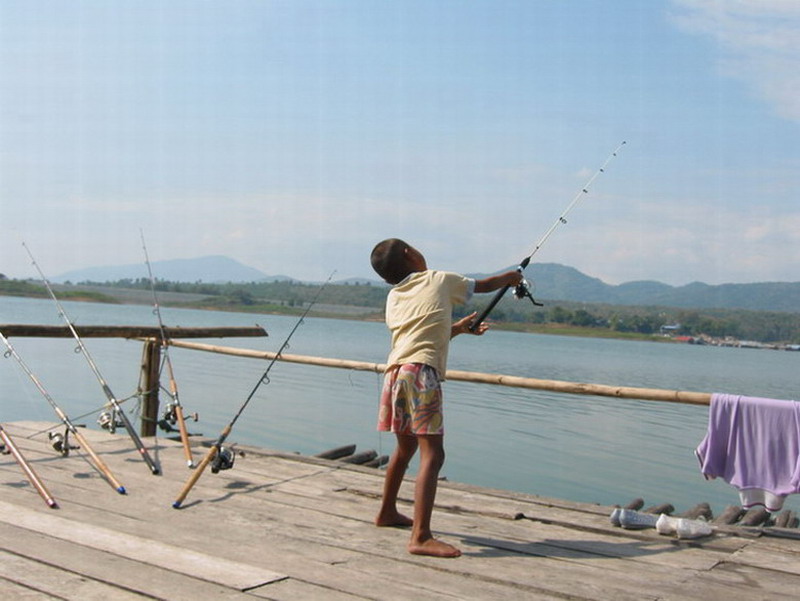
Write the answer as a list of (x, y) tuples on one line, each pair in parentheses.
[(170, 417), (110, 420), (60, 442), (223, 460), (525, 290)]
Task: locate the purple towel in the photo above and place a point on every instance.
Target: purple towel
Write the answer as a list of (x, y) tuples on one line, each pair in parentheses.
[(754, 445)]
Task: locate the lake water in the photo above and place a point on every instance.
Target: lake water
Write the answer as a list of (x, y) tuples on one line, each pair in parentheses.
[(582, 448)]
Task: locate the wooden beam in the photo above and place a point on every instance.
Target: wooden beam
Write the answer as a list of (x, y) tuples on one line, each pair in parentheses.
[(40, 331), (149, 378)]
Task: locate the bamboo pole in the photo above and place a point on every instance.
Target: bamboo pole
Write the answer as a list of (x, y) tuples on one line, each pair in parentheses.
[(626, 392)]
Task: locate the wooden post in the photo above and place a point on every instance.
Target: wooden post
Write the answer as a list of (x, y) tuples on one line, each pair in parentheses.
[(151, 386)]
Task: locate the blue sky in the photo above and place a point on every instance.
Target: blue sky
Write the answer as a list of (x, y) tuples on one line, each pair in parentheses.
[(293, 135)]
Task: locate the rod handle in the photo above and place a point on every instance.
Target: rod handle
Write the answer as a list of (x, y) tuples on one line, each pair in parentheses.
[(137, 441), (479, 320), (187, 449), (99, 463), (33, 477), (212, 452)]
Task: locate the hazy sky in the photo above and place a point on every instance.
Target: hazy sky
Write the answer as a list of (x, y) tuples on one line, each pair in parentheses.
[(293, 135)]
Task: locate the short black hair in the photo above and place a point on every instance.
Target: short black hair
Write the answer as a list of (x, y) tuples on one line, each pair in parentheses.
[(389, 260)]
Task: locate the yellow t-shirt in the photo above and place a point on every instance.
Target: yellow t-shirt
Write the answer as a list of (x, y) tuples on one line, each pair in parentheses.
[(419, 315)]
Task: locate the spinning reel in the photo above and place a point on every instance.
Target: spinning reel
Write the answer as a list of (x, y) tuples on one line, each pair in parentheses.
[(170, 417), (60, 442), (223, 460), (525, 290), (110, 420)]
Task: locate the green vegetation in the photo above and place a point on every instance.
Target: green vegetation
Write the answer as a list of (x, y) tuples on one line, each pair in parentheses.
[(366, 301), (27, 289), (622, 321)]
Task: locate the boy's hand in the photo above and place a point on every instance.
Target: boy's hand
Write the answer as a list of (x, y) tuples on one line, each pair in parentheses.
[(462, 326), (514, 277)]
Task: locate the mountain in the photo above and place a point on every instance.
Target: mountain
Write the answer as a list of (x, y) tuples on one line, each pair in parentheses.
[(557, 282), (552, 282), (211, 269)]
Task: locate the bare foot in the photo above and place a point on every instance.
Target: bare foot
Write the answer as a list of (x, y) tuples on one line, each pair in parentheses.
[(393, 520), (434, 548)]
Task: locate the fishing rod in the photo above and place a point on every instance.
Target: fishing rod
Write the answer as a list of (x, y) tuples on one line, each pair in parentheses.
[(523, 289), (174, 410), (116, 407), (219, 457), (26, 467), (61, 443)]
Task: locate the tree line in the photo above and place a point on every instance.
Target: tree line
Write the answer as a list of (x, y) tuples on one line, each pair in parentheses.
[(760, 326)]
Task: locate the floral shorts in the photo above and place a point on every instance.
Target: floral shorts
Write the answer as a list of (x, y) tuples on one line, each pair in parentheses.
[(411, 400)]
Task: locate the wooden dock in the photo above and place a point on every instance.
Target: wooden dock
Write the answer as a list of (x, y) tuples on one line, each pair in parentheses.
[(288, 527)]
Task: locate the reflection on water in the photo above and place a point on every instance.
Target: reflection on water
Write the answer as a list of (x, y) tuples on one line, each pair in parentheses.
[(591, 449)]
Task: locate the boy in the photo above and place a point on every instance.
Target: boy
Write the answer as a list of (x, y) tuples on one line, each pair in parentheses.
[(419, 316)]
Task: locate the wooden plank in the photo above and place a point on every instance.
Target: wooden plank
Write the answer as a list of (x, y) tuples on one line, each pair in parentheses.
[(294, 590), (45, 578), (485, 549), (658, 547), (363, 537), (332, 575), (311, 519), (574, 517), (737, 582), (153, 581), (84, 331), (214, 568), (231, 540), (18, 592), (771, 557)]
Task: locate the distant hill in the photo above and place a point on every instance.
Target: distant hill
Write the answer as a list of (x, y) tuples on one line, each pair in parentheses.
[(211, 269), (557, 282), (552, 282)]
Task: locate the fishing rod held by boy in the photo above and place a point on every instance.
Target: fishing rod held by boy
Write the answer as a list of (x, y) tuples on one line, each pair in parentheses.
[(522, 289)]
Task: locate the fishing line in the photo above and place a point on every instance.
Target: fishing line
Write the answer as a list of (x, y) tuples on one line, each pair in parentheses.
[(174, 411), (117, 409), (24, 386), (220, 457), (59, 441), (523, 289)]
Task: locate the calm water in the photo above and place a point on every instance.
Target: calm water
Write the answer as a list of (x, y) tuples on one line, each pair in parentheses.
[(590, 449)]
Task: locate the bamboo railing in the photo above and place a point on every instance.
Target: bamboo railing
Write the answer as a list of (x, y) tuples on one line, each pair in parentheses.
[(151, 355), (645, 394)]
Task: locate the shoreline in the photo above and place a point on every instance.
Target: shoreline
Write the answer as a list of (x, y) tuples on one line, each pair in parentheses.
[(184, 300), (125, 296)]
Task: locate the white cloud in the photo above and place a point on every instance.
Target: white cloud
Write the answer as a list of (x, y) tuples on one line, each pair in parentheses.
[(690, 240), (759, 43)]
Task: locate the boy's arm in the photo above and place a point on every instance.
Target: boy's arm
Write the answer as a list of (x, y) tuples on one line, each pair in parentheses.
[(495, 282)]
